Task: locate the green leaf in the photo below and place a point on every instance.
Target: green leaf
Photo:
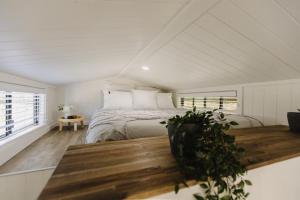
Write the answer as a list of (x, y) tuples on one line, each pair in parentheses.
[(209, 153), (222, 115), (203, 185), (226, 127), (198, 197), (194, 109), (227, 197), (241, 184), (233, 123), (248, 182), (221, 189), (185, 183), (176, 188), (238, 191), (223, 184)]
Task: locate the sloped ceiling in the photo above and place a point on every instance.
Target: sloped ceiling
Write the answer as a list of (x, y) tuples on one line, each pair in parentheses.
[(63, 41), (186, 44)]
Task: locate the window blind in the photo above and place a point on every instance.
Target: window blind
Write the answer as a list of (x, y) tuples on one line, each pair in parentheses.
[(20, 110), (209, 103), (2, 114)]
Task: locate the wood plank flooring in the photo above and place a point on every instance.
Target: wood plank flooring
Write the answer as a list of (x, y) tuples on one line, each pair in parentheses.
[(44, 152)]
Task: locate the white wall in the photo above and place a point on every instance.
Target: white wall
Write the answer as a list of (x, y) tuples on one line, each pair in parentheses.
[(87, 96), (277, 181), (15, 144), (24, 185), (268, 101), (23, 83)]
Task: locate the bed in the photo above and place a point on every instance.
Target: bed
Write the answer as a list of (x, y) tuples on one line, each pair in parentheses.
[(122, 124)]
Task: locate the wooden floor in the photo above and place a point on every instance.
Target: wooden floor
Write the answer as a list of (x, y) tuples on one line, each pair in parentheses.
[(45, 152)]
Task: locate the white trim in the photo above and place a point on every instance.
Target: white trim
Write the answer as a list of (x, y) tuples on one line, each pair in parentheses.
[(218, 93), (27, 171)]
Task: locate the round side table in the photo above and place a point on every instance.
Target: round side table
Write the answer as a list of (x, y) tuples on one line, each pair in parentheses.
[(75, 121)]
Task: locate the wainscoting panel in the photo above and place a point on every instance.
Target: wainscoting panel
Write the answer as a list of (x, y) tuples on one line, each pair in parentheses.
[(284, 102), (296, 96), (271, 102), (270, 97), (258, 103)]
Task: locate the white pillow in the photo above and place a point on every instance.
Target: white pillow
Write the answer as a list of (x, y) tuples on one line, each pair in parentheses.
[(117, 100), (143, 99), (164, 100)]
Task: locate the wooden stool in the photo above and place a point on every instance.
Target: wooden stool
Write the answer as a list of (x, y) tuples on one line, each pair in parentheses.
[(75, 121)]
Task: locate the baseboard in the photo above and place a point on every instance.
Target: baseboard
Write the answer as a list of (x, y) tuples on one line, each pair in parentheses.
[(53, 125)]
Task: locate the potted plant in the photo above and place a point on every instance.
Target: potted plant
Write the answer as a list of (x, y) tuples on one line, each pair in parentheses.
[(66, 109), (294, 121), (206, 154)]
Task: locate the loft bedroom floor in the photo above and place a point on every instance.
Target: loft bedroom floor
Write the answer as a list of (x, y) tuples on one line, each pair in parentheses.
[(45, 152)]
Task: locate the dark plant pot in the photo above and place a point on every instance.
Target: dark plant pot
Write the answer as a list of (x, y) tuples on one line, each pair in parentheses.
[(294, 121), (188, 142)]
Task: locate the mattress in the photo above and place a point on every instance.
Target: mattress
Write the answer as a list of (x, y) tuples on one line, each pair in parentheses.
[(145, 128), (131, 124)]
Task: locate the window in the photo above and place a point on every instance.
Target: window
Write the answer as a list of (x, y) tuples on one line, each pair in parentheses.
[(230, 103), (210, 103), (190, 102), (213, 103), (20, 110)]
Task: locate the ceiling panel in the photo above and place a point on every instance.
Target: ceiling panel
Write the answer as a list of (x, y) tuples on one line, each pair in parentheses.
[(233, 42), (265, 13), (291, 7), (252, 51), (63, 41), (238, 20), (186, 43)]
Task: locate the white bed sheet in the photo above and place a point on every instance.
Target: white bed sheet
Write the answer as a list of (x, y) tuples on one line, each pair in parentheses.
[(130, 124)]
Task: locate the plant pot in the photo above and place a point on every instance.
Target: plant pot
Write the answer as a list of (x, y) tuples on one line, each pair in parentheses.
[(294, 121), (186, 136)]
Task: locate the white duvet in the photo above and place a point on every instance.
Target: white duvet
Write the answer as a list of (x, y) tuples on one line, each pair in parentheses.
[(129, 124)]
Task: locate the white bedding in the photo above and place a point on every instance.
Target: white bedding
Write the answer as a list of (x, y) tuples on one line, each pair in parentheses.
[(129, 124)]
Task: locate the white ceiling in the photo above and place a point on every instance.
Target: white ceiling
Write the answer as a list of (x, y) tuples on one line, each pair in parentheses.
[(186, 44), (63, 41)]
